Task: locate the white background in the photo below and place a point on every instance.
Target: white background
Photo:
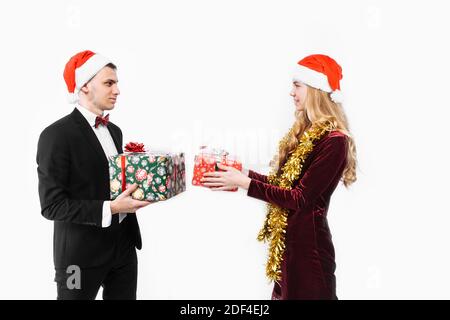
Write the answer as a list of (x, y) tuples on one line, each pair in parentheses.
[(218, 73)]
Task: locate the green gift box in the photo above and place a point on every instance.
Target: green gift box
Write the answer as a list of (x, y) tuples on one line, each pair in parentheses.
[(159, 175)]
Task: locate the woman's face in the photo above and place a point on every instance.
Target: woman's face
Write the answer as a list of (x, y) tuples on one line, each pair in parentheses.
[(298, 92)]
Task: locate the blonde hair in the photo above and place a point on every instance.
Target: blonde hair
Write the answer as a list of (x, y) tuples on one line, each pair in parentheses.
[(319, 107)]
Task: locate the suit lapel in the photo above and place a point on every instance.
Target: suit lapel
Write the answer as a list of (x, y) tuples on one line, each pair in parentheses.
[(90, 136), (115, 136)]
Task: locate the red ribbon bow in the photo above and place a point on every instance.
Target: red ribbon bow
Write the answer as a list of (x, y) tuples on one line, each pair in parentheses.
[(134, 147), (101, 121)]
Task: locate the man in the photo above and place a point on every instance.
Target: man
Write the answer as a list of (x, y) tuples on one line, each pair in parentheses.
[(94, 238)]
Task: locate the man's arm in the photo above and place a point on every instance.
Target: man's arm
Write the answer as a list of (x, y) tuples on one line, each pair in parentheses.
[(53, 159)]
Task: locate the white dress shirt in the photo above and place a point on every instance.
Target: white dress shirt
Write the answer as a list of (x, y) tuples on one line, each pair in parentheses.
[(105, 139)]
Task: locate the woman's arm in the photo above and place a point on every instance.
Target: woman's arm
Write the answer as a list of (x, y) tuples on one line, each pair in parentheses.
[(328, 164), (257, 176)]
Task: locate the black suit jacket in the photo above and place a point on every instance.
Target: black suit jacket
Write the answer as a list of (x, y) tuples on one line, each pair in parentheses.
[(73, 184)]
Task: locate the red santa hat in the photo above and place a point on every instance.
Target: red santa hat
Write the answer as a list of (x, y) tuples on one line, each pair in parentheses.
[(81, 68), (321, 72)]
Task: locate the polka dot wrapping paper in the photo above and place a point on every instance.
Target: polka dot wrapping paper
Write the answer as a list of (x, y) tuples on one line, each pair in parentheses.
[(159, 176)]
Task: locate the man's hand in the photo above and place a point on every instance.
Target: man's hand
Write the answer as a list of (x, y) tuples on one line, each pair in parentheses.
[(124, 203)]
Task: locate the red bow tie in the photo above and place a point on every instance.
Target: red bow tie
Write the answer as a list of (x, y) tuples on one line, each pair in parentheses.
[(101, 121)]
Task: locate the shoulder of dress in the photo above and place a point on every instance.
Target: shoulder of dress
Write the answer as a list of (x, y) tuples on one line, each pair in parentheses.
[(336, 133), (334, 139)]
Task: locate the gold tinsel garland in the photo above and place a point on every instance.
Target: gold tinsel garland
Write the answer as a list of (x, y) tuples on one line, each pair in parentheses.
[(274, 228)]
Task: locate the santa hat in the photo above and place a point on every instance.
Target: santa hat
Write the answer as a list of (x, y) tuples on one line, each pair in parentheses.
[(81, 68), (321, 72)]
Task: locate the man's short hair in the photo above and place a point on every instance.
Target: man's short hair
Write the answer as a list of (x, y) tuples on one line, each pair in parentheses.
[(111, 65)]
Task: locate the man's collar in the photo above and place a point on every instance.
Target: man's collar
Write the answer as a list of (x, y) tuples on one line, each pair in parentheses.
[(89, 115)]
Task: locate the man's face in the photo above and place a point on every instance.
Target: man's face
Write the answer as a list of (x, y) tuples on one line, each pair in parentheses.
[(102, 90)]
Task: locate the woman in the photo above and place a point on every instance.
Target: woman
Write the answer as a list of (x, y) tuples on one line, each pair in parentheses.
[(313, 157)]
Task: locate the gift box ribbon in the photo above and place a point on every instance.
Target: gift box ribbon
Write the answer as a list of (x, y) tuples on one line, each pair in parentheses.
[(122, 164)]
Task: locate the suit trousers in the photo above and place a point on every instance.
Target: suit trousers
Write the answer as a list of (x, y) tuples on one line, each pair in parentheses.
[(118, 277)]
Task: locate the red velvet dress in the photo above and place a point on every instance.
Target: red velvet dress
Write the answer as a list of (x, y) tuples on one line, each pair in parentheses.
[(309, 263)]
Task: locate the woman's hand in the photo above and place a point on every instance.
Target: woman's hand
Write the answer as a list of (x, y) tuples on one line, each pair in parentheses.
[(228, 179)]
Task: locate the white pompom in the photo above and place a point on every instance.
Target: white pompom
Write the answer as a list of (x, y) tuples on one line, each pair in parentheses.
[(337, 96), (72, 98)]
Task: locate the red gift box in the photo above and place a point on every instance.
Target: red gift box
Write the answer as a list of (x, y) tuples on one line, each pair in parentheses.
[(207, 160)]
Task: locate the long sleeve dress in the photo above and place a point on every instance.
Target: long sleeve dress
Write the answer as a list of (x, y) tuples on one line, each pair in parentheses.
[(308, 263)]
